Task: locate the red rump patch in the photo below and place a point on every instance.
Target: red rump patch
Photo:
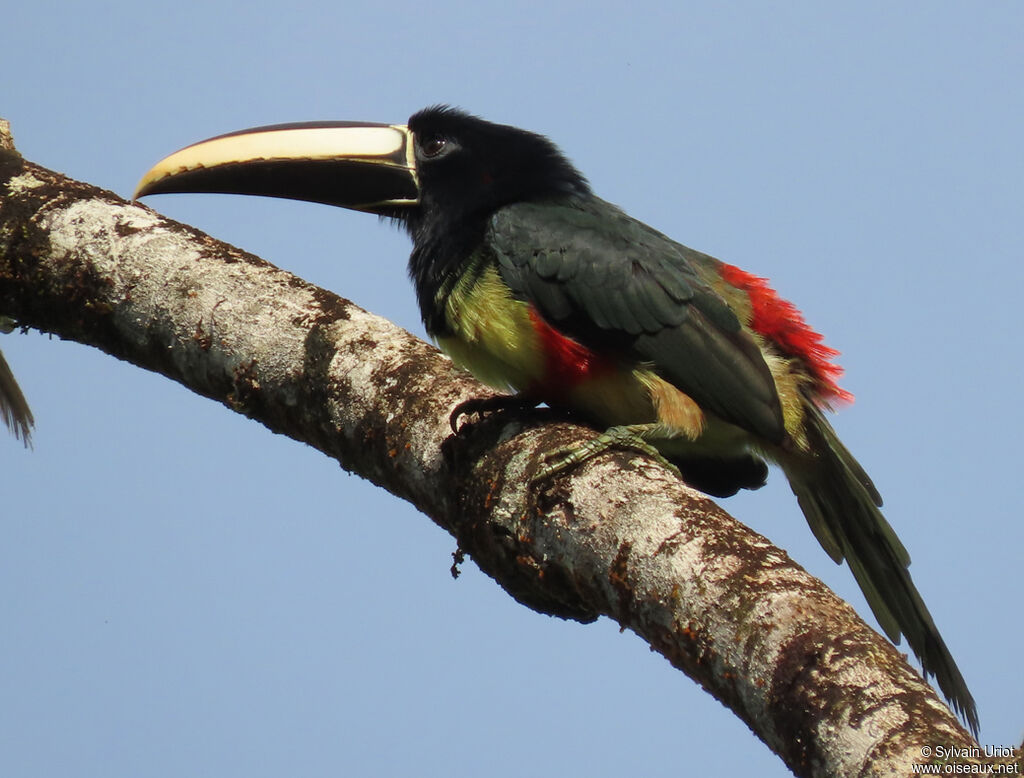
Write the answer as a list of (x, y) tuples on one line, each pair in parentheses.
[(780, 322), (567, 363)]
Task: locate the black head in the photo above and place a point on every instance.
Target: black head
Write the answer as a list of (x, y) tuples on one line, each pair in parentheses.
[(469, 167)]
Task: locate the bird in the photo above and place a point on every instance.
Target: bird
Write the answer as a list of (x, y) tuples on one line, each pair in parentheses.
[(541, 288), (14, 409)]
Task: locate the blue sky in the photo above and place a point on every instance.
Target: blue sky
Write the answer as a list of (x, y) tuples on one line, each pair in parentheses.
[(186, 593)]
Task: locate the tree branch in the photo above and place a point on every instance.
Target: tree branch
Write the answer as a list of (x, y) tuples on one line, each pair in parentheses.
[(618, 536)]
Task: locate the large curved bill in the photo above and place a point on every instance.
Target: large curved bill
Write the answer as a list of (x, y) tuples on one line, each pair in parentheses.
[(368, 167)]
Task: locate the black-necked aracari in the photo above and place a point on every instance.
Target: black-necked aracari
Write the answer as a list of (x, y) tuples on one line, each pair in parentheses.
[(14, 408), (534, 284)]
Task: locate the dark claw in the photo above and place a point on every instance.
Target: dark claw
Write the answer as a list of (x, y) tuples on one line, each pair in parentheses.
[(483, 406)]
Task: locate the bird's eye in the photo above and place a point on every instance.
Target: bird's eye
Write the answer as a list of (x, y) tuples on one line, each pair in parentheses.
[(433, 145)]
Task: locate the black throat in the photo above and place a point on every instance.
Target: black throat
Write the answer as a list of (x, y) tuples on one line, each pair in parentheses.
[(469, 169), (442, 252)]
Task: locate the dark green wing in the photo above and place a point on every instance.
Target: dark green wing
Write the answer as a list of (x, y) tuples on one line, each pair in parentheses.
[(610, 281)]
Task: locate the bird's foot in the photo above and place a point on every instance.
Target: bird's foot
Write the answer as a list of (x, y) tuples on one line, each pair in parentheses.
[(628, 437), (483, 406)]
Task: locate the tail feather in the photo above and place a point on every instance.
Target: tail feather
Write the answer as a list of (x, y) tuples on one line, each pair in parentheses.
[(842, 508), (14, 409)]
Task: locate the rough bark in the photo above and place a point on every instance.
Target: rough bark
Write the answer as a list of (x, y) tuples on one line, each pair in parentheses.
[(618, 536)]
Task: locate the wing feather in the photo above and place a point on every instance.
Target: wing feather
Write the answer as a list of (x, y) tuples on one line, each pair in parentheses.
[(610, 281)]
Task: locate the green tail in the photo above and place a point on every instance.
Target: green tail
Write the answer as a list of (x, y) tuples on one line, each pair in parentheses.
[(842, 507), (14, 411)]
